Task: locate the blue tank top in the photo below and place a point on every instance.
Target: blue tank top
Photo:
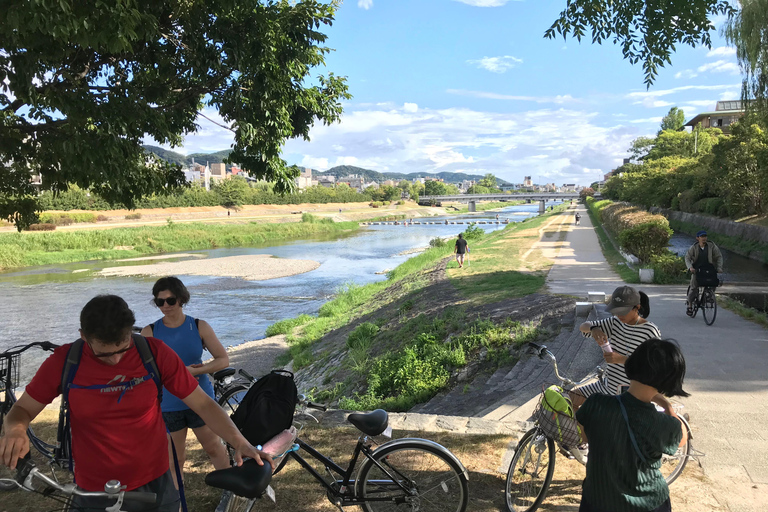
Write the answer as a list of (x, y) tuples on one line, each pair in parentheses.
[(185, 340)]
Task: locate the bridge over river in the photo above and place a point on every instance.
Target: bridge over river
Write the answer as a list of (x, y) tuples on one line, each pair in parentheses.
[(472, 199)]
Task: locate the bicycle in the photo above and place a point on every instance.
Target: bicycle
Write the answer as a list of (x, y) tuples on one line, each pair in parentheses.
[(533, 464), (416, 474), (706, 301), (230, 386), (10, 362)]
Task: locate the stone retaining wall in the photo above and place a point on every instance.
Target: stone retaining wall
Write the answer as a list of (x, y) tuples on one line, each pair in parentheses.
[(717, 225)]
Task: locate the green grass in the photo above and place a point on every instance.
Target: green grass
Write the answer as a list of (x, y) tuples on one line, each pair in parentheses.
[(27, 249), (612, 255), (742, 310), (286, 326)]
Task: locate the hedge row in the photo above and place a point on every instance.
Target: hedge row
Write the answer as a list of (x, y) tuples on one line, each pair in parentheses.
[(639, 232)]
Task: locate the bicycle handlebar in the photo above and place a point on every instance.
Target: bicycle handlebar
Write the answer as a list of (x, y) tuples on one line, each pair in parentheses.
[(27, 471), (45, 345), (303, 401), (541, 352)]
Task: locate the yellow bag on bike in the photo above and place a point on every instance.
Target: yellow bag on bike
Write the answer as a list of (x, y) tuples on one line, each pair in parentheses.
[(556, 417)]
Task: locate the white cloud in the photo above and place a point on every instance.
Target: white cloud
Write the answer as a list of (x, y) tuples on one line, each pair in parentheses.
[(719, 66), (552, 143), (687, 73), (666, 92), (410, 107), (497, 64), (702, 103), (721, 51), (486, 3), (507, 97), (651, 102), (647, 120), (365, 4)]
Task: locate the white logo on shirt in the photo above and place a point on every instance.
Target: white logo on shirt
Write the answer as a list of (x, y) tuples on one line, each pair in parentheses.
[(117, 379)]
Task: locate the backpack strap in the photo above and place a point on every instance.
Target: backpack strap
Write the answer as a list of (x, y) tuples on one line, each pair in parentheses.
[(148, 359), (631, 434), (197, 324), (63, 449)]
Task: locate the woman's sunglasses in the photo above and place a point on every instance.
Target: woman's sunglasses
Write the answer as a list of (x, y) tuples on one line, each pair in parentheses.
[(170, 300)]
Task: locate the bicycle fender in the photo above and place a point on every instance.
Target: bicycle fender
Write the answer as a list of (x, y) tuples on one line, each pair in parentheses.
[(425, 442)]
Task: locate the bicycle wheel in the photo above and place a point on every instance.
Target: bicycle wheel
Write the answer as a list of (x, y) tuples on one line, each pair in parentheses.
[(434, 482), (530, 472), (231, 398), (239, 504), (709, 305), (672, 465)]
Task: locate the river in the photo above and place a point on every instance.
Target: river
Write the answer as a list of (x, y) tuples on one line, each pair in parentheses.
[(737, 268), (43, 303)]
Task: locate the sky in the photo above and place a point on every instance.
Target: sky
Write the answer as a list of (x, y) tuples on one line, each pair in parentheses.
[(473, 86)]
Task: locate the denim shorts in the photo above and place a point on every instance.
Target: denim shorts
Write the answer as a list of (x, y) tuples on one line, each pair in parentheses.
[(167, 498), (177, 420)]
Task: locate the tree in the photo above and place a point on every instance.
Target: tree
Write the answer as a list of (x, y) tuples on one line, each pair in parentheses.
[(83, 83), (647, 30), (586, 192), (479, 189), (748, 32), (232, 192), (434, 188), (404, 185), (488, 181), (674, 120)]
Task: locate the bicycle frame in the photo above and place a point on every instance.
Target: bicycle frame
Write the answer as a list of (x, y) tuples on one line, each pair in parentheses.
[(344, 490)]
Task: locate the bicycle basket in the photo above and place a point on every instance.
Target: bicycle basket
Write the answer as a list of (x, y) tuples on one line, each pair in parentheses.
[(9, 364), (560, 425)]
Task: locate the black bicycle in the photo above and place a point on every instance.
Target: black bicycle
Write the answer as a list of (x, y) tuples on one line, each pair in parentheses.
[(230, 386), (706, 301), (10, 363), (402, 474)]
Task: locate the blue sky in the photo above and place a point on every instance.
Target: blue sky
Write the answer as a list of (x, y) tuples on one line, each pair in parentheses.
[(473, 86)]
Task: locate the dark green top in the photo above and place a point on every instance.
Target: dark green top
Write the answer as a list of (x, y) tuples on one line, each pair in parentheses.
[(617, 479)]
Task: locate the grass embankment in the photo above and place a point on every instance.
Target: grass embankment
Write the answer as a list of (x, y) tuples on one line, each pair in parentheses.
[(26, 249), (612, 255), (481, 207), (749, 248), (743, 310), (400, 356)]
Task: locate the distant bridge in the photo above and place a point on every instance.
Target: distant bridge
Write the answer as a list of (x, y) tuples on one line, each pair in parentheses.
[(471, 199)]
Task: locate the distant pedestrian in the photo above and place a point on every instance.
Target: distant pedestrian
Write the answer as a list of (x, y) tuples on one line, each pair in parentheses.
[(339, 210), (461, 248), (497, 216), (228, 213)]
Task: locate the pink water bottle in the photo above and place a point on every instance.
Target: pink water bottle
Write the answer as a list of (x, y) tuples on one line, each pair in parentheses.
[(606, 347)]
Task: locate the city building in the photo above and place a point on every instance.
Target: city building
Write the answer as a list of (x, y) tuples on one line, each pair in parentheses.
[(218, 171), (527, 182), (726, 113), (326, 181), (305, 179)]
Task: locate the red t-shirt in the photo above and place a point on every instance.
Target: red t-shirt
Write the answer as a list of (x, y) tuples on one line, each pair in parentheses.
[(123, 441)]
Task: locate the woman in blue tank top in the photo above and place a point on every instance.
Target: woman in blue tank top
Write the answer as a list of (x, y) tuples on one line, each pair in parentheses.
[(187, 337)]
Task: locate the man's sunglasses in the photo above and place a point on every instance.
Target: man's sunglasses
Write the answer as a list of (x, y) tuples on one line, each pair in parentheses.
[(110, 354), (170, 300)]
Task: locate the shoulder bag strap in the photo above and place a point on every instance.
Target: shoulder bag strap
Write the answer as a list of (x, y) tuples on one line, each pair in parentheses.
[(631, 434)]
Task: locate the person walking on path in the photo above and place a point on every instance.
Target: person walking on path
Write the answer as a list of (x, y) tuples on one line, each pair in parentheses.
[(627, 435), (460, 249), (627, 329), (188, 337), (701, 255)]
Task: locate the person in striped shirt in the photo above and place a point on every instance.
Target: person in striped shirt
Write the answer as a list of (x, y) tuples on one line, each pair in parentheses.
[(627, 436), (619, 336)]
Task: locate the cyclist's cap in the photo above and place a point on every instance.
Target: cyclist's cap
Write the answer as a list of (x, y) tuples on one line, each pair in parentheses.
[(701, 233), (624, 298)]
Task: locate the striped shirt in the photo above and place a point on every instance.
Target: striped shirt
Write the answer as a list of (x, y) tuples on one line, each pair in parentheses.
[(624, 340), (617, 478)]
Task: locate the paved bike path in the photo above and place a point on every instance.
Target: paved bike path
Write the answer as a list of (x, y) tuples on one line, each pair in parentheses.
[(727, 372)]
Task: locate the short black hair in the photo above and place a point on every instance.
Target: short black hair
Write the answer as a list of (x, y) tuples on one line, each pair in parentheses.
[(107, 318), (660, 364), (173, 285), (461, 235)]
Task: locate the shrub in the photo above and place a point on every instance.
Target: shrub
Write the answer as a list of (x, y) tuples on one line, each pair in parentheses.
[(42, 227), (437, 242), (401, 202), (709, 205), (133, 216), (102, 218), (309, 218), (668, 268), (473, 232), (362, 336)]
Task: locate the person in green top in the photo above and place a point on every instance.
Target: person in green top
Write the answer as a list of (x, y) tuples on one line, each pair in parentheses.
[(623, 473)]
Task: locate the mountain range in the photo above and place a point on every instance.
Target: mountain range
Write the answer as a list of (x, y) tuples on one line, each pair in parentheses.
[(340, 171)]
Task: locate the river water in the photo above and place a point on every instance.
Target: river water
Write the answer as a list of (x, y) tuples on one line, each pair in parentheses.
[(43, 303), (737, 268)]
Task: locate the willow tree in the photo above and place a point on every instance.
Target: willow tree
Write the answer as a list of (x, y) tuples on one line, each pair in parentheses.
[(648, 31), (83, 83), (748, 32)]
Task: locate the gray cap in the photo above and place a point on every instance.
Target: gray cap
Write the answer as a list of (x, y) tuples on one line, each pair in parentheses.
[(624, 298)]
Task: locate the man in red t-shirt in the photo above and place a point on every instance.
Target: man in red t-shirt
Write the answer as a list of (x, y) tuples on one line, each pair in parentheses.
[(117, 431)]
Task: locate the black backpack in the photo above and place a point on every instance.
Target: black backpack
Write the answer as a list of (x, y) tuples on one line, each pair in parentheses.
[(706, 275), (267, 408)]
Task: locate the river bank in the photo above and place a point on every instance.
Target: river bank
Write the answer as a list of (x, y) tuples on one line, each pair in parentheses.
[(28, 249)]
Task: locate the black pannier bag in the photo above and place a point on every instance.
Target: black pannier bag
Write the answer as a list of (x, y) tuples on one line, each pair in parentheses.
[(706, 275), (267, 408)]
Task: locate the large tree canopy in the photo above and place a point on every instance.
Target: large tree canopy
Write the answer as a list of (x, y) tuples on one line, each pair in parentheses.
[(647, 30), (748, 32), (82, 83)]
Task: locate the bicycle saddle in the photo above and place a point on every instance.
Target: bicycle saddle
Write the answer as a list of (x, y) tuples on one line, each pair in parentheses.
[(226, 372), (372, 423), (249, 480)]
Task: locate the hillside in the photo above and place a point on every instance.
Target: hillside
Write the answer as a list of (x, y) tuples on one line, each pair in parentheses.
[(339, 171)]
